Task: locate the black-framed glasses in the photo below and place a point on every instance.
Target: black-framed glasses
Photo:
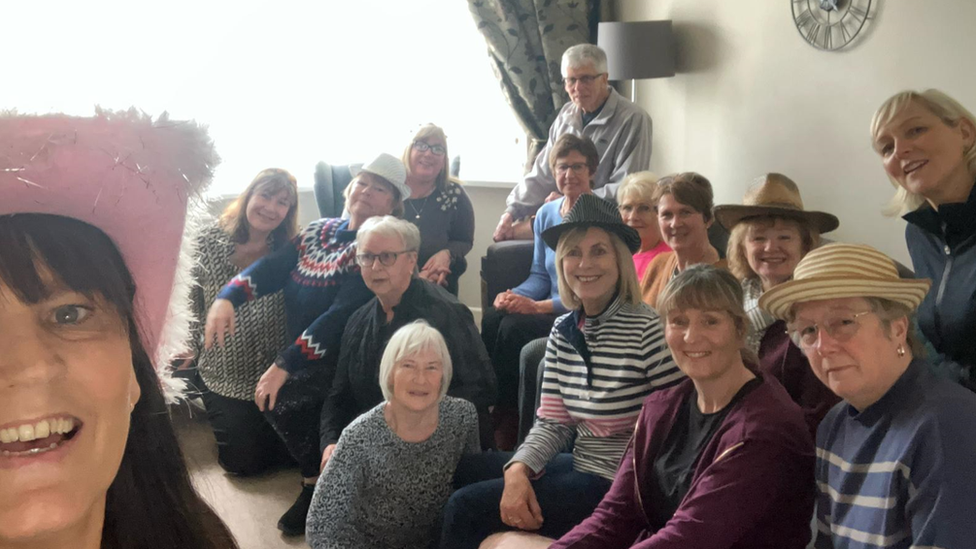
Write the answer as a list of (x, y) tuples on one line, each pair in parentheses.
[(840, 326), (423, 146), (386, 258), (586, 80), (576, 168)]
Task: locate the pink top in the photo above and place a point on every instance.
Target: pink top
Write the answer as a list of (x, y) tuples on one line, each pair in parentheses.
[(641, 259)]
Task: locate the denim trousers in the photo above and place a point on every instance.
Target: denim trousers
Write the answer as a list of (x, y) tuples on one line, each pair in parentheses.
[(566, 498)]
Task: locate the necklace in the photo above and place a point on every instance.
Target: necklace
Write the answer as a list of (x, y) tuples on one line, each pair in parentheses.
[(416, 212)]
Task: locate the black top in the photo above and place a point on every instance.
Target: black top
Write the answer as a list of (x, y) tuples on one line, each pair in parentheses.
[(355, 388), (674, 466), (587, 117), (943, 248), (445, 218)]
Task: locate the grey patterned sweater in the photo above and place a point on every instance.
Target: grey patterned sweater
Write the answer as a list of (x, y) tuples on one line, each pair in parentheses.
[(379, 492), (233, 370)]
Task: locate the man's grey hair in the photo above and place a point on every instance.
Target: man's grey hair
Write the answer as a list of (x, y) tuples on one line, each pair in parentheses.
[(584, 55), (410, 340), (389, 226)]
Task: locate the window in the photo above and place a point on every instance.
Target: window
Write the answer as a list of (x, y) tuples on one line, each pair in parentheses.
[(283, 84)]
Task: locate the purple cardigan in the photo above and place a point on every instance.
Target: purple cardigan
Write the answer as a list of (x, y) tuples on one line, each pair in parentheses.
[(780, 358), (753, 486)]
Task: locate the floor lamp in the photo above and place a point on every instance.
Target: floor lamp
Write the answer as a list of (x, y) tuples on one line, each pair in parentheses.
[(637, 49)]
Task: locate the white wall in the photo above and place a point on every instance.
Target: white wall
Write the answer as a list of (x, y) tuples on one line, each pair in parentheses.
[(751, 96)]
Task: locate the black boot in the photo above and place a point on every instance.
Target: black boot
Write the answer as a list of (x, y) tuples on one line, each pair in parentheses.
[(292, 523)]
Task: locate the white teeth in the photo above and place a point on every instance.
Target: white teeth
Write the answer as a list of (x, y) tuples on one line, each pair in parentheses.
[(698, 355), (41, 429)]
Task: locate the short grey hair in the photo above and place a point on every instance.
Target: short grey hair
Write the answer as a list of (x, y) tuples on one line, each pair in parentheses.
[(409, 340), (582, 55), (387, 225)]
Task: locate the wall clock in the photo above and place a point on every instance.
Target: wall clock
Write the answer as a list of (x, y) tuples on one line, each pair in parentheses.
[(830, 25)]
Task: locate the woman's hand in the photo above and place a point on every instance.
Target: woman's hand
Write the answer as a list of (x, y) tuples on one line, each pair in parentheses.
[(220, 319), (502, 300), (522, 305), (326, 454), (519, 507), (266, 393), (437, 268)]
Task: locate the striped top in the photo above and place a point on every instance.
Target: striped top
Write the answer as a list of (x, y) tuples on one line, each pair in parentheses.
[(595, 380), (759, 319), (899, 474)]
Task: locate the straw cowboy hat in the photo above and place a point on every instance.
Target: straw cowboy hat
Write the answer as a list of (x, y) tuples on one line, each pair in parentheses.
[(844, 270), (774, 195), (593, 211)]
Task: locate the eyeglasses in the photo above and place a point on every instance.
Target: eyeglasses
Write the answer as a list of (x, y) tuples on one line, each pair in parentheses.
[(571, 81), (422, 146), (386, 258), (841, 327), (577, 168)]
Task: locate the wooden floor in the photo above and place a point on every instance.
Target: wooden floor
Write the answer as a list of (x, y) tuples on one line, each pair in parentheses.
[(250, 507)]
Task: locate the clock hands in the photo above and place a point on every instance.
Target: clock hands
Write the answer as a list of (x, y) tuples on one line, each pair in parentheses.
[(828, 5)]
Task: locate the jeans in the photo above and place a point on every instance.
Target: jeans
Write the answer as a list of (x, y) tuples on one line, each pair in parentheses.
[(565, 496)]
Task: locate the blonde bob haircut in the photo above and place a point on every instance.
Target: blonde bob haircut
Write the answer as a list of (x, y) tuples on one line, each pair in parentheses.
[(736, 252), (408, 341), (639, 186), (707, 288), (950, 111), (233, 220), (628, 287), (424, 133), (397, 210)]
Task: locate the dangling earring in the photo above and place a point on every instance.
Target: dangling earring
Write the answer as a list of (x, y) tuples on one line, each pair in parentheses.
[(900, 350)]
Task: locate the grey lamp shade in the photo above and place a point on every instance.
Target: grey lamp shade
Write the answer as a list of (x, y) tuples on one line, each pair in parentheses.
[(638, 49)]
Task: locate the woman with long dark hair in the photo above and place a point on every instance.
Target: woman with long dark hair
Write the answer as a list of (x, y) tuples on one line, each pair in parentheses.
[(263, 219), (92, 293)]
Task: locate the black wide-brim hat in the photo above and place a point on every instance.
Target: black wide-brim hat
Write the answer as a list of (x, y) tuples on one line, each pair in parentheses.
[(593, 211)]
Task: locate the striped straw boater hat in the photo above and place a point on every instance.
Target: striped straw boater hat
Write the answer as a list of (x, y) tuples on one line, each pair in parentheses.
[(844, 270), (593, 211)]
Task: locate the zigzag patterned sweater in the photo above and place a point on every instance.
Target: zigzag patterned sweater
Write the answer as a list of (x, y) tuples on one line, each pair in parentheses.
[(321, 284)]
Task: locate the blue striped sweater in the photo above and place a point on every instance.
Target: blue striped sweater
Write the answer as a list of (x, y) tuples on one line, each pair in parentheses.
[(902, 473)]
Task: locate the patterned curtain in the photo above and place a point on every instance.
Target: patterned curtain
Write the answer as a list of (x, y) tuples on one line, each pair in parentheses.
[(526, 40)]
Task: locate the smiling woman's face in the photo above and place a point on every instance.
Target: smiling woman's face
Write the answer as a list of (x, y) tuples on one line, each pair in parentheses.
[(67, 389)]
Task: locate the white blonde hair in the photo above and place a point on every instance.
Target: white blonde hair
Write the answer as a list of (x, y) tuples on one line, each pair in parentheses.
[(414, 338), (947, 109), (389, 226), (640, 185)]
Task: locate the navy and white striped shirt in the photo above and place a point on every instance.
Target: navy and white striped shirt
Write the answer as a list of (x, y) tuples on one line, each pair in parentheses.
[(899, 474), (594, 383)]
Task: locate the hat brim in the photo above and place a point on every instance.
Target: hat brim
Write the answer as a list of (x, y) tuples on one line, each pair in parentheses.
[(779, 300), (729, 215), (630, 237)]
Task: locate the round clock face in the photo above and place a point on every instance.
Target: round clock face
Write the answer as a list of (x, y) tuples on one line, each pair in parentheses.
[(830, 24)]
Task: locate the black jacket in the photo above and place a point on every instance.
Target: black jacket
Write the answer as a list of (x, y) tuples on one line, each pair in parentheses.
[(355, 388), (943, 247)]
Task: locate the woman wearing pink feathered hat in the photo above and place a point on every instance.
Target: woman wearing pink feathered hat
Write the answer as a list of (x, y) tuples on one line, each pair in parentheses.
[(94, 275)]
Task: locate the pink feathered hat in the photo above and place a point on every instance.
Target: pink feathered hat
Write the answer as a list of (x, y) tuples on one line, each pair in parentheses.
[(136, 179)]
